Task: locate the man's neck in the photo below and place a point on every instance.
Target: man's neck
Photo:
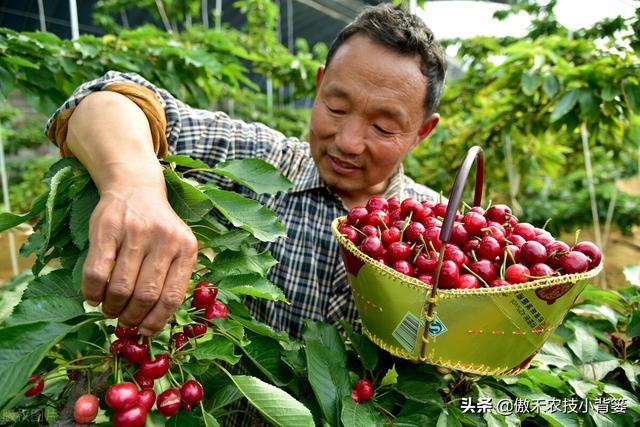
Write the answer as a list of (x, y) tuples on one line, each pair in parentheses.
[(353, 199)]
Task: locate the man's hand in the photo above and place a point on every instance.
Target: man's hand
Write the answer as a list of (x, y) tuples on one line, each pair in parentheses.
[(140, 258)]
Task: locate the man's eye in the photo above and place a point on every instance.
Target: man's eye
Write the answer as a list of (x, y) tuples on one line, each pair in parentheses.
[(335, 110), (383, 131)]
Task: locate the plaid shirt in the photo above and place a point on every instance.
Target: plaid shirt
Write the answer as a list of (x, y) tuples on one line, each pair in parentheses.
[(310, 271)]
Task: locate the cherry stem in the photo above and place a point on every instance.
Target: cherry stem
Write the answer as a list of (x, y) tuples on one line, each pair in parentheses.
[(417, 254), (358, 230), (475, 274), (489, 205), (538, 277), (465, 206), (473, 255), (577, 236), (546, 223), (172, 378)]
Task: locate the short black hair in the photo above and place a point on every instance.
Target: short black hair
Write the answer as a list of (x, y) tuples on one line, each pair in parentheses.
[(405, 33)]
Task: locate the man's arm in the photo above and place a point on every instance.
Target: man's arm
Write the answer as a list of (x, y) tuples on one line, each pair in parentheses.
[(141, 253)]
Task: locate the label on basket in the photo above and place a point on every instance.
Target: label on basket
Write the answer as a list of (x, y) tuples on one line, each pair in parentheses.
[(406, 333)]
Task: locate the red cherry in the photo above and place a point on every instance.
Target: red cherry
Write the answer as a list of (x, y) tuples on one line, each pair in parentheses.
[(414, 231), (168, 402), (432, 222), (525, 230), (426, 278), (85, 409), (154, 368), (364, 387), (440, 210), (132, 417), (403, 267), (377, 203), (455, 254), (496, 231), (489, 248), (146, 399), (125, 332), (185, 406), (517, 273), (372, 246), (135, 352), (204, 294), (499, 282), (179, 340), (471, 246), (574, 262), (541, 270), (449, 274), (427, 262), (467, 281), (350, 233), (409, 205), (191, 392), (533, 252), (544, 239), (422, 215), (432, 234), (512, 252), (391, 235), (590, 250), (517, 240), (117, 346), (555, 250), (474, 223), (357, 216), (397, 251), (355, 396), (121, 396), (378, 218), (498, 213), (485, 269), (143, 382), (370, 230), (394, 203), (459, 234), (37, 387), (217, 310)]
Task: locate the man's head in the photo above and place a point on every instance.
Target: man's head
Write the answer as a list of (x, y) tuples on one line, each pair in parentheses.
[(376, 100)]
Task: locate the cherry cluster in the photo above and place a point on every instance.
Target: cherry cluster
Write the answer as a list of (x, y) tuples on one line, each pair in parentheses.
[(130, 355), (362, 391), (487, 248)]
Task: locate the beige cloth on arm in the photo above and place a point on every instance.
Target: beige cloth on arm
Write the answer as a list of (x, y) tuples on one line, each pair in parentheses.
[(142, 97)]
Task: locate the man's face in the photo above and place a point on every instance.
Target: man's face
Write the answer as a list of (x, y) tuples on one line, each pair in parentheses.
[(368, 114)]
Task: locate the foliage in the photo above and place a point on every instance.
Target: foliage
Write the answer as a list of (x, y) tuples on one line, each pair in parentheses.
[(525, 102)]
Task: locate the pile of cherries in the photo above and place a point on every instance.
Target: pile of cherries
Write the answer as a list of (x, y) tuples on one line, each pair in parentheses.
[(131, 356), (487, 248)]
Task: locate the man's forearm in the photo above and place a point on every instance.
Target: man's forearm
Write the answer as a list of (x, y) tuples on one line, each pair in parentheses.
[(110, 136)]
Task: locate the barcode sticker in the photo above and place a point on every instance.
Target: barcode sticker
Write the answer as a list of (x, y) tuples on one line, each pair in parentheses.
[(406, 333)]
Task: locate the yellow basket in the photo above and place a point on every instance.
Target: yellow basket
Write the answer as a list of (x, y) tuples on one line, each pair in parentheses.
[(491, 331)]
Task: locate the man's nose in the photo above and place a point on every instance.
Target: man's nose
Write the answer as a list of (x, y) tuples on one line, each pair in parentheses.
[(350, 138)]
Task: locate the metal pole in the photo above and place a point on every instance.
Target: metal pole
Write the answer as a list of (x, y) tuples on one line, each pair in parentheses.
[(43, 22), (590, 184), (7, 205), (218, 14), (73, 13)]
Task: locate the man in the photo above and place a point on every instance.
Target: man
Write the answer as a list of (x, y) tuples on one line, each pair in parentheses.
[(376, 101)]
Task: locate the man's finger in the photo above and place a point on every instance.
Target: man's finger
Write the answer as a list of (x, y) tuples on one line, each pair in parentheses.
[(148, 288), (173, 291), (97, 267), (123, 277)]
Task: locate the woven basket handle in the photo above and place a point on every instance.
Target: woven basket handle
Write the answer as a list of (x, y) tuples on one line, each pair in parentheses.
[(473, 155)]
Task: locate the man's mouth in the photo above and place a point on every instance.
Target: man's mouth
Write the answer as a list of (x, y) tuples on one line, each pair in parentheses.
[(342, 167)]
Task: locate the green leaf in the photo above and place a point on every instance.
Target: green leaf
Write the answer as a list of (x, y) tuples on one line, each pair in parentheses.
[(276, 405), (81, 209), (530, 82), (326, 366), (234, 239), (597, 311), (209, 420), (247, 214), (184, 419), (58, 181), (22, 348), (582, 388), (391, 377), (583, 343), (447, 420), (367, 351), (359, 414), (565, 105), (561, 419), (265, 354), (609, 93), (588, 103), (598, 370), (632, 372), (186, 199), (417, 390), (56, 283), (632, 95), (46, 308), (247, 260), (186, 161), (553, 354), (255, 174), (253, 285), (632, 274), (617, 392), (11, 293), (633, 328), (217, 349), (550, 85)]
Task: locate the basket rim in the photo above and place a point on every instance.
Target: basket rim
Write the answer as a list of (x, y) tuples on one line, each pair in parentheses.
[(501, 290)]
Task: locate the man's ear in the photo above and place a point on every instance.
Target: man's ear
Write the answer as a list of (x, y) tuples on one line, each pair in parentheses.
[(428, 125), (319, 77)]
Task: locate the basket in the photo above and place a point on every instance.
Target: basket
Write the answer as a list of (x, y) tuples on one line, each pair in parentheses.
[(490, 331)]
